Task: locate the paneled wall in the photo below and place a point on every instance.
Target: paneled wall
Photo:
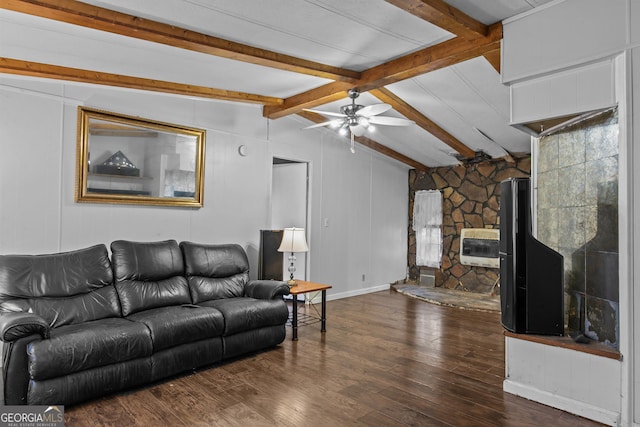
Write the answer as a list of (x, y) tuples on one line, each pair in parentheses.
[(38, 214)]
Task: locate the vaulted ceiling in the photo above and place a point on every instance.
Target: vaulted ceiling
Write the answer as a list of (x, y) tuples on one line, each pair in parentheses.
[(435, 62)]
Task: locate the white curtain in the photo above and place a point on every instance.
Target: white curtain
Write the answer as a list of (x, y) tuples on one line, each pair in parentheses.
[(427, 223)]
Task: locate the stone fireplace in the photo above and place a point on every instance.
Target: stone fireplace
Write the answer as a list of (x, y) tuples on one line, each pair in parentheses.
[(471, 199)]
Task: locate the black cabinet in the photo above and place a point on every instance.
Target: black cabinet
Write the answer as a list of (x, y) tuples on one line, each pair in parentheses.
[(270, 262)]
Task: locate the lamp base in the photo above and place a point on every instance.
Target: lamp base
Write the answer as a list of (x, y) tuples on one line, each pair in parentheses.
[(292, 269)]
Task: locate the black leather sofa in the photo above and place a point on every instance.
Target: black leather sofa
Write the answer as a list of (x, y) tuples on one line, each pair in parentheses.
[(78, 325)]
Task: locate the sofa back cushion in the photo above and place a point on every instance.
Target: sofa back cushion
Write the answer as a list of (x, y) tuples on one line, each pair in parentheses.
[(63, 288), (149, 275), (215, 271)]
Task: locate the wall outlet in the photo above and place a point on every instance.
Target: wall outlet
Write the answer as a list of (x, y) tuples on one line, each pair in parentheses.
[(363, 277)]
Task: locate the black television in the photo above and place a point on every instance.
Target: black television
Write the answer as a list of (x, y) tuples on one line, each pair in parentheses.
[(531, 273)]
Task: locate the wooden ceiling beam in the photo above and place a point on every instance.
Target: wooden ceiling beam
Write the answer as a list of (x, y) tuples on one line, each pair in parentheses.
[(309, 99), (494, 59), (370, 143), (414, 64), (98, 18), (443, 15), (398, 104), (474, 39), (429, 59), (36, 69)]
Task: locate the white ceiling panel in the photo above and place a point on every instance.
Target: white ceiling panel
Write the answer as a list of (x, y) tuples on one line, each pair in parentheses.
[(486, 82), (416, 143), (355, 34), (491, 11), (463, 98), (42, 40)]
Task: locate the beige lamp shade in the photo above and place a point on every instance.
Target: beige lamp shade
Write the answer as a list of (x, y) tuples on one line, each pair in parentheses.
[(293, 240)]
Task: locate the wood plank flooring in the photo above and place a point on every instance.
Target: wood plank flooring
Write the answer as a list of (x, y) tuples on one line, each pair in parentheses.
[(385, 360)]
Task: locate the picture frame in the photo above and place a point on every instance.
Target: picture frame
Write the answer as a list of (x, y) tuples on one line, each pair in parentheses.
[(131, 160)]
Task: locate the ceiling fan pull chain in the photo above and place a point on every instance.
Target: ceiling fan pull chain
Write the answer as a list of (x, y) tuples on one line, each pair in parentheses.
[(353, 143)]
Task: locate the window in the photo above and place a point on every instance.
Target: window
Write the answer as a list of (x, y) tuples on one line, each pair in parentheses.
[(427, 223)]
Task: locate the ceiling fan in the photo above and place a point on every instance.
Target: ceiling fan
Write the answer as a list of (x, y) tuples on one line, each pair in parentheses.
[(357, 119)]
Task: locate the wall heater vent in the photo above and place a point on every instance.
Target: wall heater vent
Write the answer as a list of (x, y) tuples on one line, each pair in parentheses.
[(480, 247)]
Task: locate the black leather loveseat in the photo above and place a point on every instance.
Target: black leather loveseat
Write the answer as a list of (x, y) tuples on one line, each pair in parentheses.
[(78, 325)]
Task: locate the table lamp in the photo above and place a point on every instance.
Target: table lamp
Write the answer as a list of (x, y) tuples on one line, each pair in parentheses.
[(293, 240)]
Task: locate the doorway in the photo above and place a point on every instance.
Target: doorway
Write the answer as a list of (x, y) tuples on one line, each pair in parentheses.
[(289, 205)]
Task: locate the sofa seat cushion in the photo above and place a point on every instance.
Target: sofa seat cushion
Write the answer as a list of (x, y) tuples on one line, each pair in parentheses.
[(176, 325), (87, 345), (244, 314)]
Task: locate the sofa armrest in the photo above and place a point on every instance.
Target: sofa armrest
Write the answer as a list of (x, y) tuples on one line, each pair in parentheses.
[(20, 324), (266, 289)]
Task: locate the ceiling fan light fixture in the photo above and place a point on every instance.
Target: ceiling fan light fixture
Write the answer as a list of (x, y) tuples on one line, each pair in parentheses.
[(362, 121), (355, 119), (357, 130)]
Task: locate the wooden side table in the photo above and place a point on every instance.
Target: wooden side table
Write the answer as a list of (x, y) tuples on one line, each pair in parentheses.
[(302, 287)]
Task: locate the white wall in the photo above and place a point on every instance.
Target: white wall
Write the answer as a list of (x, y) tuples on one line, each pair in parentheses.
[(38, 123), (632, 295), (587, 51), (576, 382), (561, 35), (577, 90)]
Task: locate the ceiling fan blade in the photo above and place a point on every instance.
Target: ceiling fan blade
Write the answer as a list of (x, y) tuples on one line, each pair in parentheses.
[(326, 113), (373, 110), (317, 125), (357, 130), (390, 121)]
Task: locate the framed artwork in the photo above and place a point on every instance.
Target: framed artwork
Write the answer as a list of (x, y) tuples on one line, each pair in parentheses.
[(131, 160)]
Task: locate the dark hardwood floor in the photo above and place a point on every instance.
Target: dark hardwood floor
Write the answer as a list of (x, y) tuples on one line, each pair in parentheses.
[(385, 360)]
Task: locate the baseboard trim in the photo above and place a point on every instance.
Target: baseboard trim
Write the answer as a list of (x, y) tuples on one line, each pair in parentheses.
[(314, 297), (575, 407)]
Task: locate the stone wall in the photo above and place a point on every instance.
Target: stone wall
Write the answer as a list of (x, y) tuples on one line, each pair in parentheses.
[(471, 199)]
